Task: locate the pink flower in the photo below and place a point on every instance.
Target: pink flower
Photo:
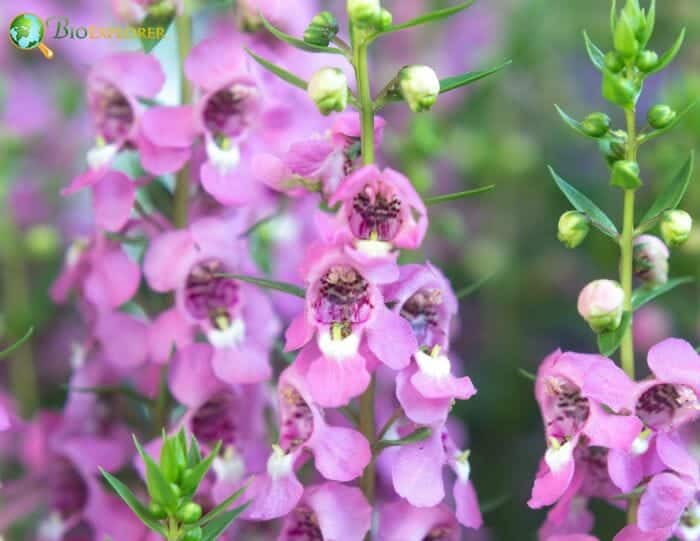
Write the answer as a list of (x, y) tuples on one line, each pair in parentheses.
[(328, 511), (236, 317), (346, 313), (664, 501), (571, 389), (317, 163), (399, 521)]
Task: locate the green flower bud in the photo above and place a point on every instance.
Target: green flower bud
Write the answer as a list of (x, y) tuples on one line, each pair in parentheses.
[(614, 62), (419, 86), (625, 175), (573, 228), (619, 90), (625, 37), (676, 226), (613, 146), (364, 12), (176, 489), (41, 242), (385, 19), (195, 534), (596, 124), (328, 88), (322, 29), (189, 513), (162, 10), (661, 116), (157, 510), (647, 60)]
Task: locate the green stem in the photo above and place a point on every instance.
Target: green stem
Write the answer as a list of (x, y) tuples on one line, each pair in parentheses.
[(367, 427), (182, 179), (627, 249)]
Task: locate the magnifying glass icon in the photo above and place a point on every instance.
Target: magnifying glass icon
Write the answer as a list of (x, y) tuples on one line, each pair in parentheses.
[(27, 32)]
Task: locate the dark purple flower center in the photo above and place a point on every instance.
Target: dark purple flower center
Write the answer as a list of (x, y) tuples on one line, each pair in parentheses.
[(113, 114), (209, 295), (302, 525), (439, 533), (297, 420), (569, 410), (375, 215), (228, 111), (659, 405), (343, 297), (422, 310), (67, 489), (81, 532), (215, 420)]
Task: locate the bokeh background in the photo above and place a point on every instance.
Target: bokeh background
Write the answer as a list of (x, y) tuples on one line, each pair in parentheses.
[(503, 130)]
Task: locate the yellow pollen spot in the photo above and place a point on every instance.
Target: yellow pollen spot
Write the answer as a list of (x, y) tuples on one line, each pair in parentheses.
[(374, 235), (222, 322), (225, 143), (100, 141), (337, 331), (554, 443), (464, 456), (435, 351)]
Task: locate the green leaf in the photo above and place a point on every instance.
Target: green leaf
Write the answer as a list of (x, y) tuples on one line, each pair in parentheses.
[(527, 375), (494, 504), (268, 284), (280, 72), (585, 205), (666, 58), (613, 17), (139, 509), (194, 455), (211, 515), (431, 17), (158, 486), (573, 123), (7, 351), (114, 389), (674, 191), (168, 465), (643, 295), (450, 83), (126, 239), (298, 43), (193, 476), (679, 116), (471, 288), (594, 53), (650, 23), (155, 21), (608, 342), (457, 195), (216, 527), (420, 434)]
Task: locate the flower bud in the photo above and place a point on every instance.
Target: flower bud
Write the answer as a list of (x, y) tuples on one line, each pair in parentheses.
[(322, 29), (625, 38), (189, 513), (661, 116), (573, 228), (675, 227), (195, 534), (384, 20), (157, 510), (42, 242), (419, 86), (647, 61), (625, 175), (363, 12), (601, 303), (651, 259), (620, 90), (613, 146), (329, 89), (614, 62), (596, 124)]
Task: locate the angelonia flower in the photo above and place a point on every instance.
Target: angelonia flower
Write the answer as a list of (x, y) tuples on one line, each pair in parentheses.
[(572, 228), (600, 303), (675, 227), (651, 259), (328, 88), (419, 86)]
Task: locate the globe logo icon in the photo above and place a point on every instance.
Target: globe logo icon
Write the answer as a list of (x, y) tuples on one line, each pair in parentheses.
[(27, 32)]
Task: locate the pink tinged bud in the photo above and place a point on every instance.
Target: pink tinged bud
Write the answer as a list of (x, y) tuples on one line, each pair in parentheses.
[(328, 88), (601, 304), (651, 259)]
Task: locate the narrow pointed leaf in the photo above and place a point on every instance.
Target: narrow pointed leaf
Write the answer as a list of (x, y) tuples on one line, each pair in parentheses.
[(674, 191), (420, 434), (594, 53), (194, 455), (160, 21), (431, 17), (139, 509), (211, 515), (643, 295), (573, 123), (194, 475), (158, 486), (216, 527), (457, 195), (7, 351), (651, 22), (527, 375), (268, 284), (613, 17), (494, 504), (114, 389), (608, 342), (669, 55), (450, 83), (585, 205), (679, 116), (296, 42), (468, 290), (280, 72)]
